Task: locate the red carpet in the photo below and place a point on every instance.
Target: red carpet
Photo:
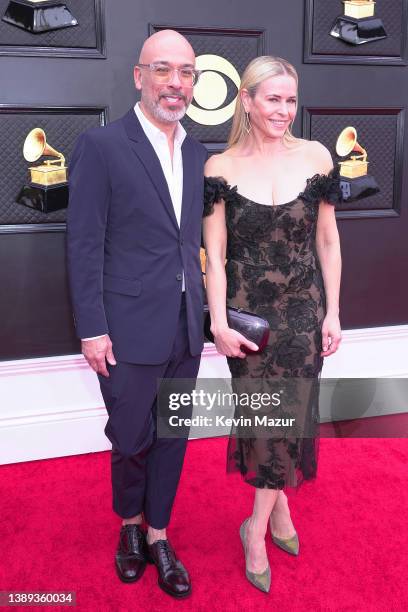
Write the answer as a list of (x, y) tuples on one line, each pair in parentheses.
[(58, 533)]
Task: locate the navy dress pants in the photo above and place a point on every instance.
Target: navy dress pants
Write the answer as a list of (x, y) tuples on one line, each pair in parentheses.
[(145, 469)]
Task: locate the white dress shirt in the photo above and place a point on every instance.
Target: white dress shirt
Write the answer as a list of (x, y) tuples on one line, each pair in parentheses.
[(172, 168)]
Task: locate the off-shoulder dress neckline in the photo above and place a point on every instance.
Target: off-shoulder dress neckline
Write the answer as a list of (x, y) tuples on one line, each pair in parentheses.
[(241, 195), (234, 189), (318, 188)]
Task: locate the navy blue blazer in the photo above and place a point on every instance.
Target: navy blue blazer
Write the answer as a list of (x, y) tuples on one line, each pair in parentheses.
[(125, 250)]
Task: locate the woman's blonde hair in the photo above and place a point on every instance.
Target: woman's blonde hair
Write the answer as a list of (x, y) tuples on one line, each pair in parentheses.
[(257, 71)]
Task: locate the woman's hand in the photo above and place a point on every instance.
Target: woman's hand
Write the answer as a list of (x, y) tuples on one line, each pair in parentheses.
[(331, 335), (228, 342)]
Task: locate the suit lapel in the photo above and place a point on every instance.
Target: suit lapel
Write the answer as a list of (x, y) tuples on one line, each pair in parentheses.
[(143, 149), (189, 169)]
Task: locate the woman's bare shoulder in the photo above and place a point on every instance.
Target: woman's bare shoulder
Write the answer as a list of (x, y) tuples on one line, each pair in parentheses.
[(320, 155), (218, 165), (311, 147)]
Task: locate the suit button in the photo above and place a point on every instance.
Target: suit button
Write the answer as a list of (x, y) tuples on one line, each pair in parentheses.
[(179, 277), (181, 241)]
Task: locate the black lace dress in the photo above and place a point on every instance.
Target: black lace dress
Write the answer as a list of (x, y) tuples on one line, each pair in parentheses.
[(273, 270)]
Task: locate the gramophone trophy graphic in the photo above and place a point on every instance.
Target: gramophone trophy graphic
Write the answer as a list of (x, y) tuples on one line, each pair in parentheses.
[(358, 25), (48, 190), (355, 182), (38, 16)]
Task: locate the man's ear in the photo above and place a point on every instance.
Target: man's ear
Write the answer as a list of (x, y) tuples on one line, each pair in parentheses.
[(137, 75)]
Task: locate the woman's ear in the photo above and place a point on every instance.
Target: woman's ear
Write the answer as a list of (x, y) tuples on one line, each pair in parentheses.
[(245, 99)]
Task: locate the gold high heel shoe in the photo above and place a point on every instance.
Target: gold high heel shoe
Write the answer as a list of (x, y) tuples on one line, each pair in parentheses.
[(260, 581), (289, 545)]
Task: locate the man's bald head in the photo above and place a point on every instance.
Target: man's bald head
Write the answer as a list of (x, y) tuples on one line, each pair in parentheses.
[(164, 44), (165, 91)]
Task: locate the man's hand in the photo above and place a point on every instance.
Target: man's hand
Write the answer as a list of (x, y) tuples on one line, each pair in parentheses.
[(97, 352)]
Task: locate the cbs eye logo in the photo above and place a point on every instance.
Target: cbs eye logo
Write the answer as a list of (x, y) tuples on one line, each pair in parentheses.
[(211, 91)]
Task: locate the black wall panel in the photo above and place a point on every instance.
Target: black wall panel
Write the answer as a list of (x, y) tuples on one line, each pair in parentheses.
[(86, 39), (34, 304), (62, 127), (321, 46), (380, 131), (36, 318)]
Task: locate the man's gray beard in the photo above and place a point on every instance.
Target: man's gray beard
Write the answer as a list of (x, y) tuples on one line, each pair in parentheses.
[(165, 115)]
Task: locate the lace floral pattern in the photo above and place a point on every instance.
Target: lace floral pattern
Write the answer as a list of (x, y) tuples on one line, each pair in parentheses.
[(323, 187), (273, 270), (216, 189)]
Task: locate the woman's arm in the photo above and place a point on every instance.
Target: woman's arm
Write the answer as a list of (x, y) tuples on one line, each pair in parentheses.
[(328, 250), (227, 340)]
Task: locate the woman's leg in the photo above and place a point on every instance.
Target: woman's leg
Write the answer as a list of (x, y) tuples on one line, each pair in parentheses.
[(281, 523), (257, 560)]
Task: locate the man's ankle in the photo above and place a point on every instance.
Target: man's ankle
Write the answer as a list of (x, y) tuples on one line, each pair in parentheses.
[(134, 520), (153, 535)]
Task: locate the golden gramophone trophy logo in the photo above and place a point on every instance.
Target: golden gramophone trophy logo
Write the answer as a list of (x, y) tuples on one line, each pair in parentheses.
[(48, 189), (355, 182), (38, 16), (359, 24)]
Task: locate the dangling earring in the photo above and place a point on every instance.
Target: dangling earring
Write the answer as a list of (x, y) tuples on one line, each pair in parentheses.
[(247, 123), (289, 129)]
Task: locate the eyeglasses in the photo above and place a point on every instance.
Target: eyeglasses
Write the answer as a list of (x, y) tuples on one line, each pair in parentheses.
[(164, 74)]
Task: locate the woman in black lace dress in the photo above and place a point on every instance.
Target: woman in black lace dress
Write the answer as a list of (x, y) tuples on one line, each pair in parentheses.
[(269, 214)]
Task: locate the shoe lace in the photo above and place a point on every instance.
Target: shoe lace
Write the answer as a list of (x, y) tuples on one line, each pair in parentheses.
[(135, 537), (168, 556)]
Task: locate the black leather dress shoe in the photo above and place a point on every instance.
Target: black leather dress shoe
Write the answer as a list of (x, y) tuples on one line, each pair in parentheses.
[(173, 576), (131, 555)]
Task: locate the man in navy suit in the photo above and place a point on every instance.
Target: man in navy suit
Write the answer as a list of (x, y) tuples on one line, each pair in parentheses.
[(133, 241)]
